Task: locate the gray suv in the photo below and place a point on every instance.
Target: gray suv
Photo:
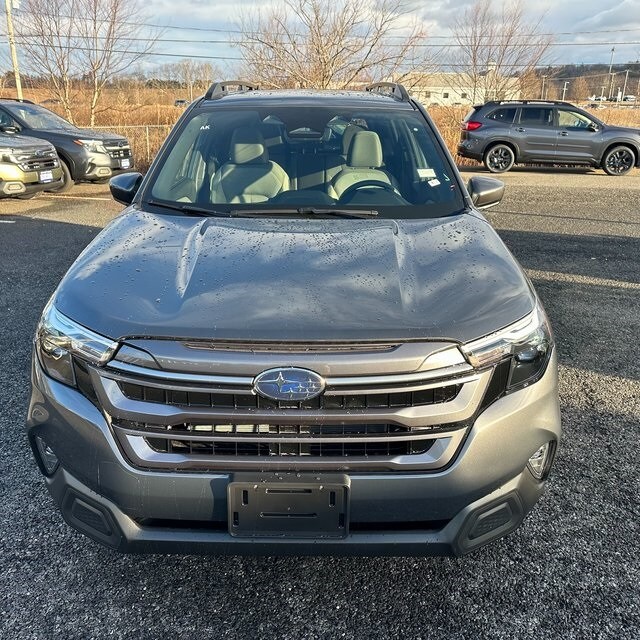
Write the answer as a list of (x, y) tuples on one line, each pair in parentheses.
[(501, 134), (300, 337)]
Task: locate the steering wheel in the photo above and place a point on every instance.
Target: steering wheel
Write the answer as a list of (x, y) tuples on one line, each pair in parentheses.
[(364, 184)]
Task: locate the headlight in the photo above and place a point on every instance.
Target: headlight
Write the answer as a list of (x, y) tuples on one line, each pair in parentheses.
[(59, 339), (97, 146), (526, 344), (5, 154)]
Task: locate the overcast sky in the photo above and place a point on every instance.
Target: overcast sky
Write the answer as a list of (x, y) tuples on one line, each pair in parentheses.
[(188, 20), (560, 16)]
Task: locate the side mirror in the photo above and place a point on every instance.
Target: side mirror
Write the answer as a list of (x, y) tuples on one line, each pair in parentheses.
[(485, 192), (125, 186), (593, 127), (9, 128)]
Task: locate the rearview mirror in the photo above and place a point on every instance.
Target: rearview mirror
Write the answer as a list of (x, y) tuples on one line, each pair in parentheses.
[(125, 186), (485, 192)]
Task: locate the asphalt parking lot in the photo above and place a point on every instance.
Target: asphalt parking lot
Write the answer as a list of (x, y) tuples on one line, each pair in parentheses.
[(571, 571)]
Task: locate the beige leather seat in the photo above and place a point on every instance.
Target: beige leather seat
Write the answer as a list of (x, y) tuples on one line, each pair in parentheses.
[(363, 163), (249, 176)]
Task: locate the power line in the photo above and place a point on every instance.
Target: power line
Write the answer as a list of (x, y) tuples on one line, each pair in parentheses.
[(25, 37), (244, 31)]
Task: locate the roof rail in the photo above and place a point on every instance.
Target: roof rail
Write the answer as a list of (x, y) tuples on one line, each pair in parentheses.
[(391, 89), (560, 102), (19, 100), (220, 89)]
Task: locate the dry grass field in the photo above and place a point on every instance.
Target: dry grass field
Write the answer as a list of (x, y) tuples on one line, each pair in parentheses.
[(145, 116)]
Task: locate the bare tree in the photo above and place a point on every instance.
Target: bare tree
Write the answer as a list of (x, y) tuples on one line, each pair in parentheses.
[(313, 43), (579, 89), (82, 43), (193, 75), (494, 47), (109, 31), (47, 40)]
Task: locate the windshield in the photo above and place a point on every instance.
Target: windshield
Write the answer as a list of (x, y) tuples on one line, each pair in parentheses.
[(307, 159), (37, 117)]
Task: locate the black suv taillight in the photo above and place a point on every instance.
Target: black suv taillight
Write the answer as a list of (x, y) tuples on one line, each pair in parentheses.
[(471, 125)]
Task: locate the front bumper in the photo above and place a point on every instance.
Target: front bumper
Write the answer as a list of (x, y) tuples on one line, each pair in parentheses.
[(484, 494), (101, 166), (16, 182)]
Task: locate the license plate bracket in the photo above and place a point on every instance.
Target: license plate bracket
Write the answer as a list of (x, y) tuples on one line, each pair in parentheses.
[(288, 506)]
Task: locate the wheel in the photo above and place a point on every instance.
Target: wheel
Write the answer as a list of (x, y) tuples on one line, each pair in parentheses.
[(68, 180), (499, 158), (364, 184), (618, 161)]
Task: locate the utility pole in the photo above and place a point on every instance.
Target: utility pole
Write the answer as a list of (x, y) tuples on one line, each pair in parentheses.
[(544, 80), (626, 79), (564, 89), (12, 47), (613, 49), (602, 91)]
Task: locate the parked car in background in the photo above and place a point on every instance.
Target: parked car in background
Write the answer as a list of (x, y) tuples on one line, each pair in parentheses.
[(85, 154), (629, 98), (27, 166), (505, 133), (181, 102), (308, 340)]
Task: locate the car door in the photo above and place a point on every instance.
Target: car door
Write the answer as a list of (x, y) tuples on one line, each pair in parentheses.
[(578, 136), (534, 133)]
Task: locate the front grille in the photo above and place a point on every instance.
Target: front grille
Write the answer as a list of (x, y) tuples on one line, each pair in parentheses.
[(176, 397), (40, 164), (115, 150), (269, 440), (366, 419)]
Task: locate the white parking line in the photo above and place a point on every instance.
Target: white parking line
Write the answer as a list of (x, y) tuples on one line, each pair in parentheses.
[(552, 276), (78, 198)]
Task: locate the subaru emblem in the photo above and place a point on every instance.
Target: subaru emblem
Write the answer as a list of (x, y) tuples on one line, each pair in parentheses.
[(289, 383)]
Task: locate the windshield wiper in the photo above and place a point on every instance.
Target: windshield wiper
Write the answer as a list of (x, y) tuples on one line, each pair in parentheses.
[(339, 213), (190, 209)]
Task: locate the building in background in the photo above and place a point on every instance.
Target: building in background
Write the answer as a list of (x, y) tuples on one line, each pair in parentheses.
[(459, 89)]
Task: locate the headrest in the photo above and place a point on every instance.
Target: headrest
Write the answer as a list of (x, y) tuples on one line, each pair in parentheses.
[(248, 147), (347, 137), (365, 150)]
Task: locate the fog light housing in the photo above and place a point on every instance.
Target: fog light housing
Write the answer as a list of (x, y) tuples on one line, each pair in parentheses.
[(540, 462), (14, 187), (49, 459)]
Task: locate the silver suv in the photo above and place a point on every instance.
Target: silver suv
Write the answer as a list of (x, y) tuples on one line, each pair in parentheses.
[(301, 336), (501, 134)]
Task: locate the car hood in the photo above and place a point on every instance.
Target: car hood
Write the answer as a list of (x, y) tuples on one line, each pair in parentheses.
[(11, 141), (624, 130), (248, 279), (75, 133)]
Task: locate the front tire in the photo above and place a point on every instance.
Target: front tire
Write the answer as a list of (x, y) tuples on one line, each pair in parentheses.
[(618, 161), (499, 158), (67, 179)]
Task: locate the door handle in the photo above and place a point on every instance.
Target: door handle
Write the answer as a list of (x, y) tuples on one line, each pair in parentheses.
[(564, 133), (520, 129)]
